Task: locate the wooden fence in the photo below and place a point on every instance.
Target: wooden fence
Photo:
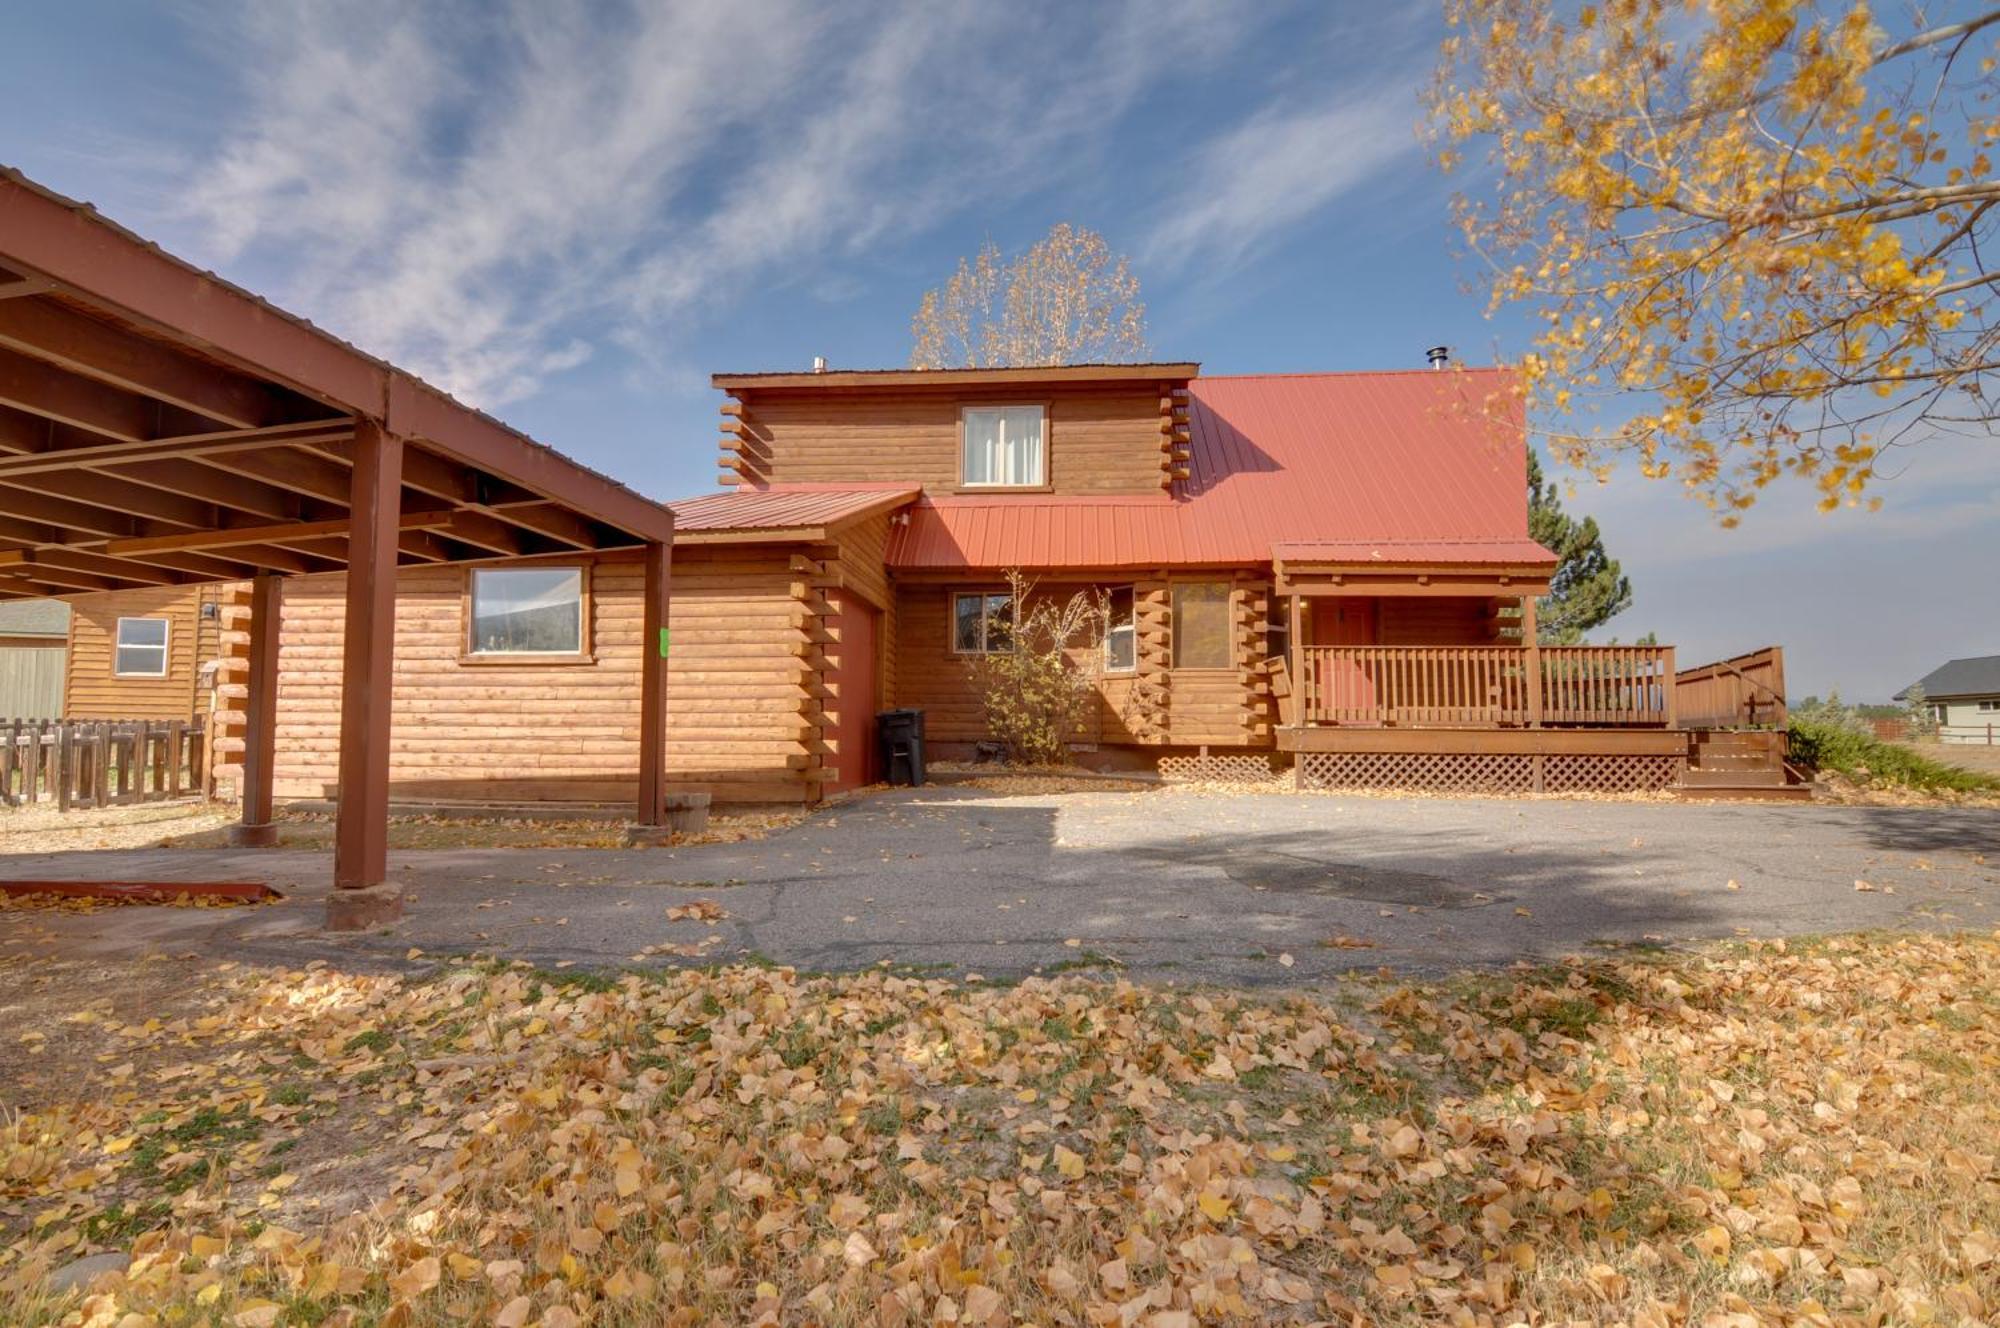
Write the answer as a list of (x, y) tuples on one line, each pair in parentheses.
[(100, 763), (1743, 692)]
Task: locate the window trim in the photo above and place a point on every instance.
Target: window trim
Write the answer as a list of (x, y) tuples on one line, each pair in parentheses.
[(1174, 625), (528, 658), (1988, 707), (951, 621), (1132, 626), (166, 646), (1048, 452)]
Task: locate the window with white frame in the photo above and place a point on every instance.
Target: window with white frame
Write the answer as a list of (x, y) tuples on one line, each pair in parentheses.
[(1121, 643), (1990, 707), (982, 623), (526, 611), (1004, 447), (142, 648)]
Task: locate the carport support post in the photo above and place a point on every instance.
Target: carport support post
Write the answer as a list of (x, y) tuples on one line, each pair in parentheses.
[(361, 898), (260, 729), (653, 688)]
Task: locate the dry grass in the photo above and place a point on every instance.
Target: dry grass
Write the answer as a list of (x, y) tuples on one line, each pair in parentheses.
[(1762, 1134), (39, 829)]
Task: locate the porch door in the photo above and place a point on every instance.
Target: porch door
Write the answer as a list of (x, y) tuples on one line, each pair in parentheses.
[(851, 676), (1347, 686)]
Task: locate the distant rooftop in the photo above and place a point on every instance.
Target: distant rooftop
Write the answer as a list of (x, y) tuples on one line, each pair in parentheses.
[(1171, 371), (34, 617), (1976, 675)]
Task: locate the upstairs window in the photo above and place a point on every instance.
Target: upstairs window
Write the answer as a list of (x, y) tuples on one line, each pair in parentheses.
[(982, 624), (1121, 653), (142, 648), (1003, 447), (526, 611), (1201, 625)]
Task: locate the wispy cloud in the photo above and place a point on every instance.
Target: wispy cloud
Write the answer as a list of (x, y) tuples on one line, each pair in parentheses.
[(1263, 178), (493, 194)]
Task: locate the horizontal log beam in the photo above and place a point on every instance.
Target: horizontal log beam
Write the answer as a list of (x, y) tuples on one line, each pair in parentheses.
[(30, 385), (288, 533)]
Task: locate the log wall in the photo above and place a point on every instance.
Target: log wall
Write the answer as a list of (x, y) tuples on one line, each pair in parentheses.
[(1100, 440)]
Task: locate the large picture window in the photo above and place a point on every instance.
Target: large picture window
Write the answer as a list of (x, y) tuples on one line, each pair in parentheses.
[(1004, 447), (1121, 653), (142, 648), (1201, 625), (526, 611), (982, 623)]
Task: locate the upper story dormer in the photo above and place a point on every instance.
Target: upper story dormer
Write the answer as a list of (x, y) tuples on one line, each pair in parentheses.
[(1068, 430)]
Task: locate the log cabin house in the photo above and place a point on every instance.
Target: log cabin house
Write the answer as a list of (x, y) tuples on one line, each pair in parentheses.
[(1330, 571)]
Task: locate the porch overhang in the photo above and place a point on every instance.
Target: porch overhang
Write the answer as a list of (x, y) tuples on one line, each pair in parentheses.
[(1504, 567)]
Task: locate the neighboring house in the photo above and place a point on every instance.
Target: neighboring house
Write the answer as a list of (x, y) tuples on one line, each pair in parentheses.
[(1333, 566), (33, 636), (1964, 698), (144, 653)]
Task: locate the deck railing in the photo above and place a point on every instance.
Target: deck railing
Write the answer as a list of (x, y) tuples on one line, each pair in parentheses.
[(1486, 686), (1745, 691)]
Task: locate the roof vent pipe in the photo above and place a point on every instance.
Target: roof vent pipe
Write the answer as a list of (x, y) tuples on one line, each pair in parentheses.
[(1439, 356), (819, 364)]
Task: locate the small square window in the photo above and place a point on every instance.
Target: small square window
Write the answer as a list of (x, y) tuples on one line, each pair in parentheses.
[(1201, 625), (982, 624), (1121, 653), (526, 611), (142, 648), (1003, 447)]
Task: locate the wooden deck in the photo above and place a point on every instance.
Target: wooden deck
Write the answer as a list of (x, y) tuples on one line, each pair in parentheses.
[(1478, 687)]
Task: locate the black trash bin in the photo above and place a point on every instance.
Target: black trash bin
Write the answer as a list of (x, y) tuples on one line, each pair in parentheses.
[(901, 734)]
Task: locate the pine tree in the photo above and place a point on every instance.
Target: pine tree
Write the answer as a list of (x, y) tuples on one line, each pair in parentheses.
[(1588, 587)]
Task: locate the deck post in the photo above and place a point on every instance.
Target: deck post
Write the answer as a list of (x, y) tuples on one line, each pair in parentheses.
[(1667, 687), (1532, 660), (653, 687), (260, 727), (1299, 717), (361, 898)]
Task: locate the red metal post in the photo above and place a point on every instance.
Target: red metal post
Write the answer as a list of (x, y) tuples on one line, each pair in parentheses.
[(653, 687), (361, 837), (260, 736)]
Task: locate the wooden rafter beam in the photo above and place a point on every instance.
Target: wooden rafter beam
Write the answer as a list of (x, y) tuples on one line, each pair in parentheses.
[(287, 534), (31, 385), (47, 561), (558, 523), (115, 494), (99, 455), (87, 518), (85, 346), (198, 564), (226, 489)]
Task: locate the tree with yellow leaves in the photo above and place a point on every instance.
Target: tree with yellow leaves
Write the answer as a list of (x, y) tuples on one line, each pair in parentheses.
[(1756, 234), (1067, 300)]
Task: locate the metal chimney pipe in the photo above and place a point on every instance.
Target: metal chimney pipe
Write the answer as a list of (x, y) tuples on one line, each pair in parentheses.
[(819, 364), (1439, 356)]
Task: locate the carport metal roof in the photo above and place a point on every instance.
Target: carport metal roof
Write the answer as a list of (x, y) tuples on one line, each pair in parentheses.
[(159, 425)]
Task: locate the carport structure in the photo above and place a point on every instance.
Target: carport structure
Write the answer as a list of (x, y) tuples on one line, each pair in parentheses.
[(160, 426)]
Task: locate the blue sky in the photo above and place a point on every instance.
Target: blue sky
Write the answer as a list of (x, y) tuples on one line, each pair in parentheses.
[(571, 214)]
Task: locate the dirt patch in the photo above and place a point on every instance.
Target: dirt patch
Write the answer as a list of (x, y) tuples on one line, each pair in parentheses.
[(204, 825)]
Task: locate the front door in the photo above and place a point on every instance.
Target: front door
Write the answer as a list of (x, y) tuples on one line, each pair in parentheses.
[(1346, 686), (851, 677)]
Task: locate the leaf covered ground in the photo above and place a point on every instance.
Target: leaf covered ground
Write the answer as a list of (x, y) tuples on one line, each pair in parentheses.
[(1767, 1133)]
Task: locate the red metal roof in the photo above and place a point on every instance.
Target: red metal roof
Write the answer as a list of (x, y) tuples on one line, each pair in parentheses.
[(1414, 553), (785, 507), (1354, 462)]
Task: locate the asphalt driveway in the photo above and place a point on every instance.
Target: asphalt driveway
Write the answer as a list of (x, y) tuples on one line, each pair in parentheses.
[(1169, 884)]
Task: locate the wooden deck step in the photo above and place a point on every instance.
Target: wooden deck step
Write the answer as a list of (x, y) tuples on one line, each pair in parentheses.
[(1747, 777), (1744, 793)]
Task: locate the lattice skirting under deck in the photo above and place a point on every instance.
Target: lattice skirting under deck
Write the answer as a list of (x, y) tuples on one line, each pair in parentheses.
[(1486, 772), (1223, 767)]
